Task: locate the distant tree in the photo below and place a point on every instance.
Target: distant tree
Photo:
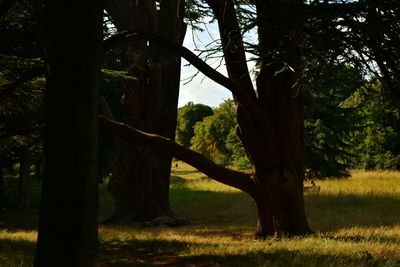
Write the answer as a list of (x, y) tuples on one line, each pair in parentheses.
[(330, 122), (188, 116), (68, 210), (215, 137), (378, 140), (21, 90), (22, 26)]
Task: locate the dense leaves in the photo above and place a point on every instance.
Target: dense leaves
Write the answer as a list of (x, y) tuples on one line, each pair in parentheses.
[(188, 115), (378, 141), (215, 137), (330, 123)]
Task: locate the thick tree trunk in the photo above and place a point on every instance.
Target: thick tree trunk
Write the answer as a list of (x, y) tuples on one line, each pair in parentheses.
[(271, 124), (68, 210), (140, 180), (25, 180), (278, 158)]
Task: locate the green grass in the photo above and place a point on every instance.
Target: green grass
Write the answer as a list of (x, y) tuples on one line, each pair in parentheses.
[(357, 223)]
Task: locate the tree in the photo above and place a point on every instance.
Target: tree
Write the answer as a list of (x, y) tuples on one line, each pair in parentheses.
[(270, 121), (330, 121), (215, 137), (188, 116), (68, 209), (378, 140), (21, 91), (139, 182)]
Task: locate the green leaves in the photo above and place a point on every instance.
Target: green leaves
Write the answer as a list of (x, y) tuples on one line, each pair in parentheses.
[(215, 137)]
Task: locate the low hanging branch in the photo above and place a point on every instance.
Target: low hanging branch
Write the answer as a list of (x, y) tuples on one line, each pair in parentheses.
[(244, 97), (223, 175)]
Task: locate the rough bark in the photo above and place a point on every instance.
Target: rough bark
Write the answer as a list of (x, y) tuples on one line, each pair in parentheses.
[(274, 141), (25, 179), (68, 209), (270, 122), (140, 179)]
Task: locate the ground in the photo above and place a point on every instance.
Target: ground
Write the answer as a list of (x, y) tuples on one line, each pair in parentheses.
[(357, 223)]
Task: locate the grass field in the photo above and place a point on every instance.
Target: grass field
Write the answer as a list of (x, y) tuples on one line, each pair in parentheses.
[(357, 223)]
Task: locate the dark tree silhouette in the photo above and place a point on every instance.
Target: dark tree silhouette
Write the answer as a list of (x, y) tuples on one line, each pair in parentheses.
[(68, 209), (140, 178)]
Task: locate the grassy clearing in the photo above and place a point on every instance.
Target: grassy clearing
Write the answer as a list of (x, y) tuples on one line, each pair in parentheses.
[(357, 223)]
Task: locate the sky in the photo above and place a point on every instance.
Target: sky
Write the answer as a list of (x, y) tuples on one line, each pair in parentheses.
[(201, 89)]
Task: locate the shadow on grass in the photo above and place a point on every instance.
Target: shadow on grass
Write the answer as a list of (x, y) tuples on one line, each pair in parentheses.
[(16, 252), (359, 238), (14, 219), (183, 172), (210, 207), (333, 212), (176, 253), (325, 212)]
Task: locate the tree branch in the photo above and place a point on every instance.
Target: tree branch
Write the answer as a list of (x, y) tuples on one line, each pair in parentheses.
[(223, 175), (180, 50)]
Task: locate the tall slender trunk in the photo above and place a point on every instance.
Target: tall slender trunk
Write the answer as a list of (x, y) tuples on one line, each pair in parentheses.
[(25, 179), (140, 180), (68, 209)]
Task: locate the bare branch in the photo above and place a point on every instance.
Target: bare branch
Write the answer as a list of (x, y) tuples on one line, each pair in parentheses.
[(180, 50), (223, 175)]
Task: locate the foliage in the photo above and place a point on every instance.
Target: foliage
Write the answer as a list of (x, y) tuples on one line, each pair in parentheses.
[(379, 138), (21, 113), (22, 27), (188, 115), (215, 137), (329, 122)]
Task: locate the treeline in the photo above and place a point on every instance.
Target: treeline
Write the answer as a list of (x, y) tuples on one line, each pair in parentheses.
[(349, 124)]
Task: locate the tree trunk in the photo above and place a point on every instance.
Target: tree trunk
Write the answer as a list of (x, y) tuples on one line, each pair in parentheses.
[(68, 209), (271, 123), (25, 179), (278, 157), (140, 180), (280, 98)]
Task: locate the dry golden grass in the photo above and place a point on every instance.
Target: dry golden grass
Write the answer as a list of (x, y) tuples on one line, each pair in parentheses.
[(357, 223)]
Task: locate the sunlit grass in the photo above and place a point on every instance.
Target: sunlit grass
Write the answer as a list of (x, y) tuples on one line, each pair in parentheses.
[(356, 220)]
